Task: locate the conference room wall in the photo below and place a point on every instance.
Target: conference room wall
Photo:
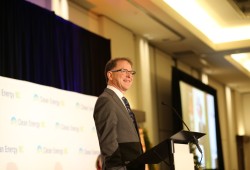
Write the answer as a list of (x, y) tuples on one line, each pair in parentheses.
[(83, 18), (227, 127), (246, 108), (123, 44)]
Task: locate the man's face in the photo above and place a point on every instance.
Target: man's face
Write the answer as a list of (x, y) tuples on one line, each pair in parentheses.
[(121, 80)]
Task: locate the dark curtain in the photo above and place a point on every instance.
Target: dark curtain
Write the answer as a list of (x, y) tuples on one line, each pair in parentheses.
[(40, 47)]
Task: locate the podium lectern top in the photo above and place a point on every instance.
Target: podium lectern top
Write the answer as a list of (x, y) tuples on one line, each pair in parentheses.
[(163, 150), (155, 155), (186, 136)]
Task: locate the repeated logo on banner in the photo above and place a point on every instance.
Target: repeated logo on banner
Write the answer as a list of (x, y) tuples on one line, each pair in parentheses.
[(9, 94), (45, 128)]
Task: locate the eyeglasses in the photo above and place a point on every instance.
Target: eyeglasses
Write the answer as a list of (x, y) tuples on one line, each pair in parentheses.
[(124, 71)]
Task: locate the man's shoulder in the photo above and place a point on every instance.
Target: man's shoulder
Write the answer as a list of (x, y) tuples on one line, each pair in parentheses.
[(107, 98), (107, 93)]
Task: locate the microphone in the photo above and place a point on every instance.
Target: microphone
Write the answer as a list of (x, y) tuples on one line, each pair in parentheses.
[(195, 140)]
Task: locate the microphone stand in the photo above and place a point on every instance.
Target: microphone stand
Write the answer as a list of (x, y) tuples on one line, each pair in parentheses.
[(195, 140)]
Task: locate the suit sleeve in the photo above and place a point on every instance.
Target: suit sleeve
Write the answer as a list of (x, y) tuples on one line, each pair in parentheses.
[(106, 124)]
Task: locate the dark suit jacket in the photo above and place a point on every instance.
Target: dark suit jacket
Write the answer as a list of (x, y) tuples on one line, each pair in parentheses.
[(118, 138)]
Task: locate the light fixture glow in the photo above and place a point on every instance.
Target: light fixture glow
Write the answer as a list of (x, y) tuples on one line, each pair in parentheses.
[(195, 14), (243, 59), (240, 61)]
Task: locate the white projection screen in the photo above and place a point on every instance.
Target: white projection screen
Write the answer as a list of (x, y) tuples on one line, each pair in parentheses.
[(198, 112), (44, 128)]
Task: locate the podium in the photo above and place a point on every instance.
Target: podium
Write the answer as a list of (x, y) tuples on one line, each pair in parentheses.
[(175, 149)]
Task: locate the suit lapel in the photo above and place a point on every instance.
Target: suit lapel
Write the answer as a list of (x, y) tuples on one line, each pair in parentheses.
[(122, 107)]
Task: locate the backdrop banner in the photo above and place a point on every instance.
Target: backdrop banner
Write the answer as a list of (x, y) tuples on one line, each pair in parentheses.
[(45, 128)]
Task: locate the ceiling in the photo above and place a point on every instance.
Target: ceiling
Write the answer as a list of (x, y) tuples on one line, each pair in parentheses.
[(169, 31)]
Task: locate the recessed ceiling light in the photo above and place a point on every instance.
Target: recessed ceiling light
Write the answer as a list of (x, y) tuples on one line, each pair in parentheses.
[(241, 61), (200, 18)]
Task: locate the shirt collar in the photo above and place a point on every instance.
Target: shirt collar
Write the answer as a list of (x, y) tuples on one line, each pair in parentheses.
[(117, 92)]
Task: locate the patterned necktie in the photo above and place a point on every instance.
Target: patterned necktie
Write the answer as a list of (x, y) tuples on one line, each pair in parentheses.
[(131, 114)]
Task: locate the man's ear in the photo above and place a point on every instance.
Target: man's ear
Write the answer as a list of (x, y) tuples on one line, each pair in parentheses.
[(109, 75)]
